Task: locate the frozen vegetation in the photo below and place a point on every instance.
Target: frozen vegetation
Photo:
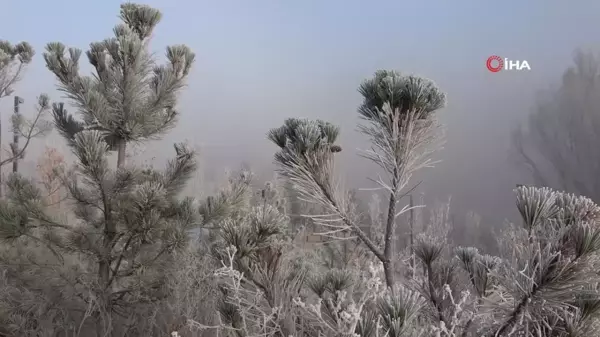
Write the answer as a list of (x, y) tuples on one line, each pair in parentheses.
[(96, 248)]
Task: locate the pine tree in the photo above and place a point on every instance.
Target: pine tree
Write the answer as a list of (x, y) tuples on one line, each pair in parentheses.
[(399, 115), (128, 220), (130, 97), (13, 62), (555, 144)]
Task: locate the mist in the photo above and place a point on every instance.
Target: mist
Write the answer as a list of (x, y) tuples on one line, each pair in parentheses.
[(261, 62)]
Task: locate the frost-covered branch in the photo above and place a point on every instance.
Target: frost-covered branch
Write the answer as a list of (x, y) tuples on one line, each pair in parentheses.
[(29, 129), (13, 60), (398, 111), (129, 97)]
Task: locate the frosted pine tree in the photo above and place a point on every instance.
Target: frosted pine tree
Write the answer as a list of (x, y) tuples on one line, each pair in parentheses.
[(130, 97), (398, 112), (127, 220), (14, 60)]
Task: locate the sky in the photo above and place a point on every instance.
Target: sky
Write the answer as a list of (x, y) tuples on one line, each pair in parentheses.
[(259, 62)]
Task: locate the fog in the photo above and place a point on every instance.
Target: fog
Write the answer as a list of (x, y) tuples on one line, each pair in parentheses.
[(259, 62)]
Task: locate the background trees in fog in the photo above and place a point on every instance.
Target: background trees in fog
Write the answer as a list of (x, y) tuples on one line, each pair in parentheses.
[(557, 145)]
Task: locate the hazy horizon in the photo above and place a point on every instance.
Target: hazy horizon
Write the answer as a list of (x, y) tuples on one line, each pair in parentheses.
[(261, 62)]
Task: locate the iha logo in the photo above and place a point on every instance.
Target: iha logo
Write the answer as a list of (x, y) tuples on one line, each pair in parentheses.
[(496, 63)]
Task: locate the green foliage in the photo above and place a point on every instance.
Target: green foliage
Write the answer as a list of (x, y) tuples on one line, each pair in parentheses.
[(261, 274), (305, 135), (398, 112), (13, 59), (129, 97), (125, 223), (22, 52), (401, 92), (398, 311)]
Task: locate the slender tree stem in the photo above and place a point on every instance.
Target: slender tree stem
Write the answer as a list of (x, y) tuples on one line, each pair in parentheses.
[(390, 225), (412, 238), (121, 149), (16, 132)]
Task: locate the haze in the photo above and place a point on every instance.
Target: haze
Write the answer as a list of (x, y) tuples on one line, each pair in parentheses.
[(259, 62)]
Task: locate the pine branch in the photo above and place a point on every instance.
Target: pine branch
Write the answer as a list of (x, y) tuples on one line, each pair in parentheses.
[(33, 130)]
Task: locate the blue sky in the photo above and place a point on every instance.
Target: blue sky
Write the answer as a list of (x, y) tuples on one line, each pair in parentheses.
[(261, 61)]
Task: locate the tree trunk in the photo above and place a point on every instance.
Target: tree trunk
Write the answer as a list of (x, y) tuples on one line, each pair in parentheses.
[(110, 229), (121, 148), (388, 249), (15, 148), (412, 237), (110, 232)]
